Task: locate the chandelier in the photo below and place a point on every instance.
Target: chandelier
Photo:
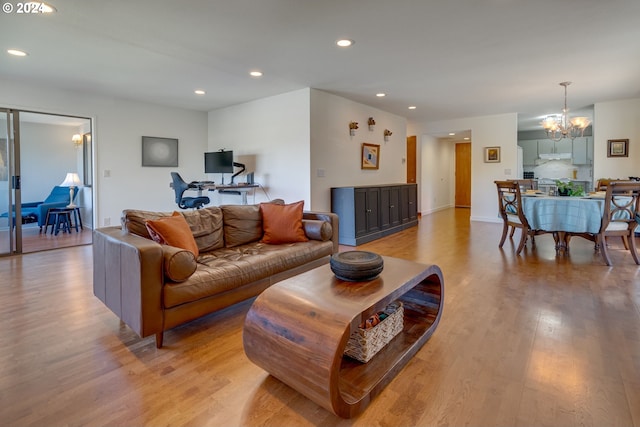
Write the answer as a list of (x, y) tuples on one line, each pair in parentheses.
[(558, 127)]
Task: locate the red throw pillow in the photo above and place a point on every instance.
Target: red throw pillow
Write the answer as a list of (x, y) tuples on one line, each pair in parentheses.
[(282, 223), (173, 231)]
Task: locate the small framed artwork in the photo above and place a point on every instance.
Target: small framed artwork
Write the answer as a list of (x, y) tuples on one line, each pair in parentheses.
[(618, 148), (370, 156), (492, 154), (159, 151)]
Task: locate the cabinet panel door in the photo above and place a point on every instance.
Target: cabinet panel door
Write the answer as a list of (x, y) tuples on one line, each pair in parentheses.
[(394, 206), (360, 210), (413, 202), (404, 203), (385, 210), (373, 209)]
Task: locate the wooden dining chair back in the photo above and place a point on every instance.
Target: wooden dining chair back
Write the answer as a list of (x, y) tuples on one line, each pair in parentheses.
[(526, 184), (621, 217), (510, 209)]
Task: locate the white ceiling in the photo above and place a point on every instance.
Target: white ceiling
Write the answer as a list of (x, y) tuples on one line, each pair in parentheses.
[(451, 59)]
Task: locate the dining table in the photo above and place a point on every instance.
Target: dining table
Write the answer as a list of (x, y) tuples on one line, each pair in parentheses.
[(564, 216)]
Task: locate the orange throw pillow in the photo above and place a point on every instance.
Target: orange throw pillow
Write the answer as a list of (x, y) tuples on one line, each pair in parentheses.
[(282, 223), (173, 231)]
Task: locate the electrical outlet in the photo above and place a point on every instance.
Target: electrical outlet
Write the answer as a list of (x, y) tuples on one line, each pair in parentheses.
[(107, 173), (107, 221), (320, 173)]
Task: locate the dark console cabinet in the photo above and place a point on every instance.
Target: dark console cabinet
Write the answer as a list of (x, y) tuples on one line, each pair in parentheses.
[(370, 212)]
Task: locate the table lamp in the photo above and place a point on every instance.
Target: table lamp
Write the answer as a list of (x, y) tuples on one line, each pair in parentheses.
[(72, 180)]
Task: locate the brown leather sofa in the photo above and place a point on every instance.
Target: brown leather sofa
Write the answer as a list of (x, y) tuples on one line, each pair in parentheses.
[(154, 287)]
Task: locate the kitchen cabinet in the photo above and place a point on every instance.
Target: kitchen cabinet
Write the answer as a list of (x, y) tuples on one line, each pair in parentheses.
[(583, 151), (529, 152), (367, 213), (547, 146)]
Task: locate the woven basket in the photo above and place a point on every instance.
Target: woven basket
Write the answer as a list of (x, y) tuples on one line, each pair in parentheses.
[(363, 344)]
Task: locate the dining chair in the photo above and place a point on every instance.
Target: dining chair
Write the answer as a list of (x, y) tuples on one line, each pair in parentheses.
[(510, 209), (620, 217), (526, 184)]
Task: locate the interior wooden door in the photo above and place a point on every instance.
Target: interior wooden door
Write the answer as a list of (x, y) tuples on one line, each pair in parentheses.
[(411, 159), (463, 175)]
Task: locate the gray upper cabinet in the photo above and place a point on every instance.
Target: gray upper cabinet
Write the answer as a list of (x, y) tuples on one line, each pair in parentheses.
[(583, 151)]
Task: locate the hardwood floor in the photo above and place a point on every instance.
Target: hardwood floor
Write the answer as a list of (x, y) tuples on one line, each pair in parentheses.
[(529, 340), (33, 240)]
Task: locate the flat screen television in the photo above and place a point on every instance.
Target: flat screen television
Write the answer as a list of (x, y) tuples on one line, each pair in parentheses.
[(218, 162)]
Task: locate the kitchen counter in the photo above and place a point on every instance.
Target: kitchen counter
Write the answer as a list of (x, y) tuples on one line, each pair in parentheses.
[(549, 184)]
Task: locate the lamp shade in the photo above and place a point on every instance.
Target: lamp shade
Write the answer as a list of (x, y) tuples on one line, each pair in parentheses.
[(71, 180)]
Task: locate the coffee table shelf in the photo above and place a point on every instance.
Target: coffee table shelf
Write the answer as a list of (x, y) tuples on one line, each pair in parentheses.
[(297, 331)]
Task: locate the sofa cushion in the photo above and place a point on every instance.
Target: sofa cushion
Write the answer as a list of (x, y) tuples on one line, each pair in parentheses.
[(173, 231), (282, 223), (242, 224), (179, 264), (317, 230), (228, 268), (205, 224)]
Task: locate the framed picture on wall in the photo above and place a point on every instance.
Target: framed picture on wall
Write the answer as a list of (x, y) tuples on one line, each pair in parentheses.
[(159, 151), (492, 154), (618, 148), (370, 156)]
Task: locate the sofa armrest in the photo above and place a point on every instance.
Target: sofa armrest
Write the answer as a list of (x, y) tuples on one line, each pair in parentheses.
[(128, 277), (330, 217)]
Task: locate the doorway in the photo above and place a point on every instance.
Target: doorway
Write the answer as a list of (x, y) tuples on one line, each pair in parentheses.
[(43, 152), (411, 159), (463, 175)]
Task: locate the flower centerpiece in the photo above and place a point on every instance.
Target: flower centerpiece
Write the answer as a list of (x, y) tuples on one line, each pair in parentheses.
[(569, 189)]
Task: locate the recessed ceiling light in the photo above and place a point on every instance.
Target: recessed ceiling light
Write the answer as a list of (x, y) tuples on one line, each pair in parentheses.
[(345, 42), (412, 107), (466, 138), (255, 73), (16, 52), (199, 92), (380, 95), (452, 133)]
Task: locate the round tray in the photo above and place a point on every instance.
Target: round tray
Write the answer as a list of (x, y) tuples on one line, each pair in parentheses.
[(356, 266)]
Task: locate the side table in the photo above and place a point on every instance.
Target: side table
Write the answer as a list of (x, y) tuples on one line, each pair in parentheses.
[(60, 219)]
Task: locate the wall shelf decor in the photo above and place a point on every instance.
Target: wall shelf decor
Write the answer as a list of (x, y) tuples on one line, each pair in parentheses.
[(370, 156), (371, 123), (352, 128), (387, 134)]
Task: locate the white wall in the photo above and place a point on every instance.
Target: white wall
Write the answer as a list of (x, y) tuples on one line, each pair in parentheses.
[(287, 138), (118, 129), (271, 137), (487, 131), (616, 120), (436, 163), (337, 155)]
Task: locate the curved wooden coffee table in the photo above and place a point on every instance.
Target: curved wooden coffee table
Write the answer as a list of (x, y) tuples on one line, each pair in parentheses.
[(297, 330)]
